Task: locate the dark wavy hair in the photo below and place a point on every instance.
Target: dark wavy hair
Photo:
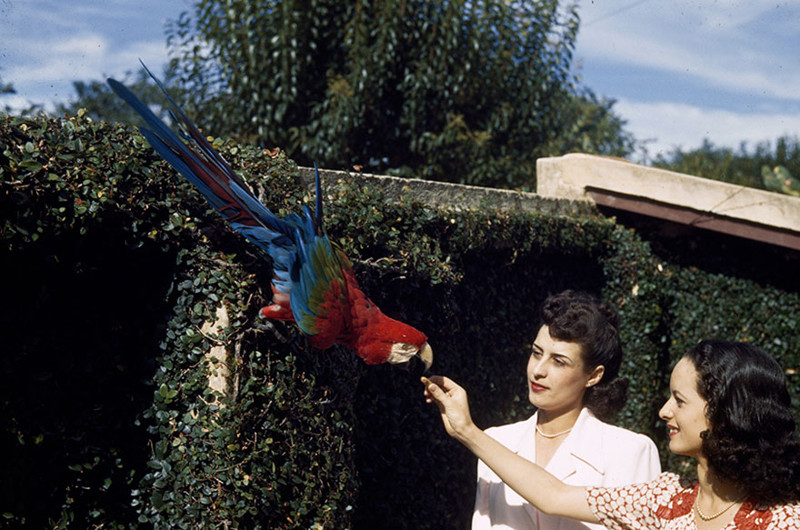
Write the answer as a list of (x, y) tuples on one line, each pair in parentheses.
[(752, 441), (580, 317)]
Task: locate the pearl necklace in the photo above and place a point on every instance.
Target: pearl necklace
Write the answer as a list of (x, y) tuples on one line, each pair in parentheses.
[(556, 435), (705, 517)]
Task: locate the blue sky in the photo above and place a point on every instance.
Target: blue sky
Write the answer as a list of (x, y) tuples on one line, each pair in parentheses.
[(680, 70)]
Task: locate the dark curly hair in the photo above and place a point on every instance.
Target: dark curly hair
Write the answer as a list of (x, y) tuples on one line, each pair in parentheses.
[(580, 317), (752, 441)]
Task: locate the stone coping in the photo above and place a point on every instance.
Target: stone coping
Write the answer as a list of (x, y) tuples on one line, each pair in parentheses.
[(449, 195), (575, 184), (738, 210), (571, 176)]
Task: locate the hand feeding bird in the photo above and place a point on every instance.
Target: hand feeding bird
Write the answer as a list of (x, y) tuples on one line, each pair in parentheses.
[(313, 282)]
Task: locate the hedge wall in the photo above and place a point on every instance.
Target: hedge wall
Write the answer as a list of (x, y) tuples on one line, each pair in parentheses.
[(114, 266)]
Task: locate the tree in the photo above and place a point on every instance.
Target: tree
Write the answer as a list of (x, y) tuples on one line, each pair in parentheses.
[(466, 91), (6, 88), (101, 104), (592, 127), (743, 167)]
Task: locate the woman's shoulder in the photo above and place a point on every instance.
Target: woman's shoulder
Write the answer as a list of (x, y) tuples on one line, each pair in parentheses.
[(616, 434), (790, 511), (779, 517), (673, 481), (510, 429)]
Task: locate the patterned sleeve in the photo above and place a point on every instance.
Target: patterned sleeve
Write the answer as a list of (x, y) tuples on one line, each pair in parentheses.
[(634, 507)]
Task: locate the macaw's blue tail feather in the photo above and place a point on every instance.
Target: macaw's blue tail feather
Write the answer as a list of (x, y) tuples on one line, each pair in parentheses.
[(202, 166), (197, 161)]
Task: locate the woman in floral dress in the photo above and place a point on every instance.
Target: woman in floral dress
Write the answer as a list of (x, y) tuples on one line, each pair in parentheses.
[(728, 408)]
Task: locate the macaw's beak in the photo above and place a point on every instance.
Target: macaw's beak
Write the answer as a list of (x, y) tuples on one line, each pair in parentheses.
[(417, 364), (425, 353)]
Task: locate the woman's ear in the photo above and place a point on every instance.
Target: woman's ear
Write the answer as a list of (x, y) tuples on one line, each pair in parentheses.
[(595, 376)]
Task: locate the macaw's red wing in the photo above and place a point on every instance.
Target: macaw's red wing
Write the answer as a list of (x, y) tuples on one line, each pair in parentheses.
[(313, 283)]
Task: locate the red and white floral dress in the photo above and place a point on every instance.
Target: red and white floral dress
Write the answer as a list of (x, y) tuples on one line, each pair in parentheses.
[(666, 503)]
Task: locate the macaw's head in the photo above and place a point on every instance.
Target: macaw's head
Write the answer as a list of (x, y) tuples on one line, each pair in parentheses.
[(391, 341)]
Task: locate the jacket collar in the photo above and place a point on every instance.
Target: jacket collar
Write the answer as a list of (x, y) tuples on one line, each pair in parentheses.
[(583, 443)]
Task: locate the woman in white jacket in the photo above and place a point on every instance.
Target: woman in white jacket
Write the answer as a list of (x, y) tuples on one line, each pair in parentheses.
[(573, 383)]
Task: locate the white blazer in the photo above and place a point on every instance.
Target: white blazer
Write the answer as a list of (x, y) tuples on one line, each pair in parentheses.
[(593, 454)]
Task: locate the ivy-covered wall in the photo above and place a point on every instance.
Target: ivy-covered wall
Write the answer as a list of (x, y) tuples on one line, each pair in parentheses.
[(113, 265)]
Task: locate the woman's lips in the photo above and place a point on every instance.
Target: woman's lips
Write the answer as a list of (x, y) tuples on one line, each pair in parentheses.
[(672, 430), (537, 387)]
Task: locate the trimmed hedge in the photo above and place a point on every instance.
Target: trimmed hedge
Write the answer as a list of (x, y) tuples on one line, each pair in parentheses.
[(114, 266)]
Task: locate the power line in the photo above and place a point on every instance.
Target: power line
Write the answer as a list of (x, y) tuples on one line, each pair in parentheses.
[(614, 13)]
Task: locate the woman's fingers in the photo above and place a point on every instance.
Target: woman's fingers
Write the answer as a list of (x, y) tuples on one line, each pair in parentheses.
[(432, 390), (439, 383)]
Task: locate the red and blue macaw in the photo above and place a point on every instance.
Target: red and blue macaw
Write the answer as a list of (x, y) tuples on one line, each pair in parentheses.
[(313, 283)]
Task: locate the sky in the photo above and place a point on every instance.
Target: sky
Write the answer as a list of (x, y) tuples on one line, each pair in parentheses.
[(680, 71)]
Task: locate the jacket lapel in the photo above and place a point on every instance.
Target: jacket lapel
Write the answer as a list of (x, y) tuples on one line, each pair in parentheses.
[(581, 448)]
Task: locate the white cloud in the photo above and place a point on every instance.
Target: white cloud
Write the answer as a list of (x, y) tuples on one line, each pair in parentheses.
[(78, 40), (60, 59), (669, 125), (739, 46), (49, 78), (688, 70)]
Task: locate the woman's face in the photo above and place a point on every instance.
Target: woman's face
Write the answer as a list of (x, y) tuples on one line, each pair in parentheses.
[(557, 378), (685, 411)]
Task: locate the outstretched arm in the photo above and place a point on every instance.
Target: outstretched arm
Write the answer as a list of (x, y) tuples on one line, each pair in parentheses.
[(532, 482)]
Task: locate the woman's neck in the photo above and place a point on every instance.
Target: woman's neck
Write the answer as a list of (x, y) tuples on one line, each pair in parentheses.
[(716, 493), (551, 431), (551, 422)]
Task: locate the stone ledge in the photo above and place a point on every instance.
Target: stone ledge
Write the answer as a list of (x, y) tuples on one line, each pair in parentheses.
[(444, 194), (737, 210)]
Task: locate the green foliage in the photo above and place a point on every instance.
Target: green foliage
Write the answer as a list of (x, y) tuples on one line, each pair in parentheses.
[(70, 395), (471, 92), (6, 88), (592, 127), (98, 102), (779, 179), (140, 438), (107, 418), (742, 167)]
